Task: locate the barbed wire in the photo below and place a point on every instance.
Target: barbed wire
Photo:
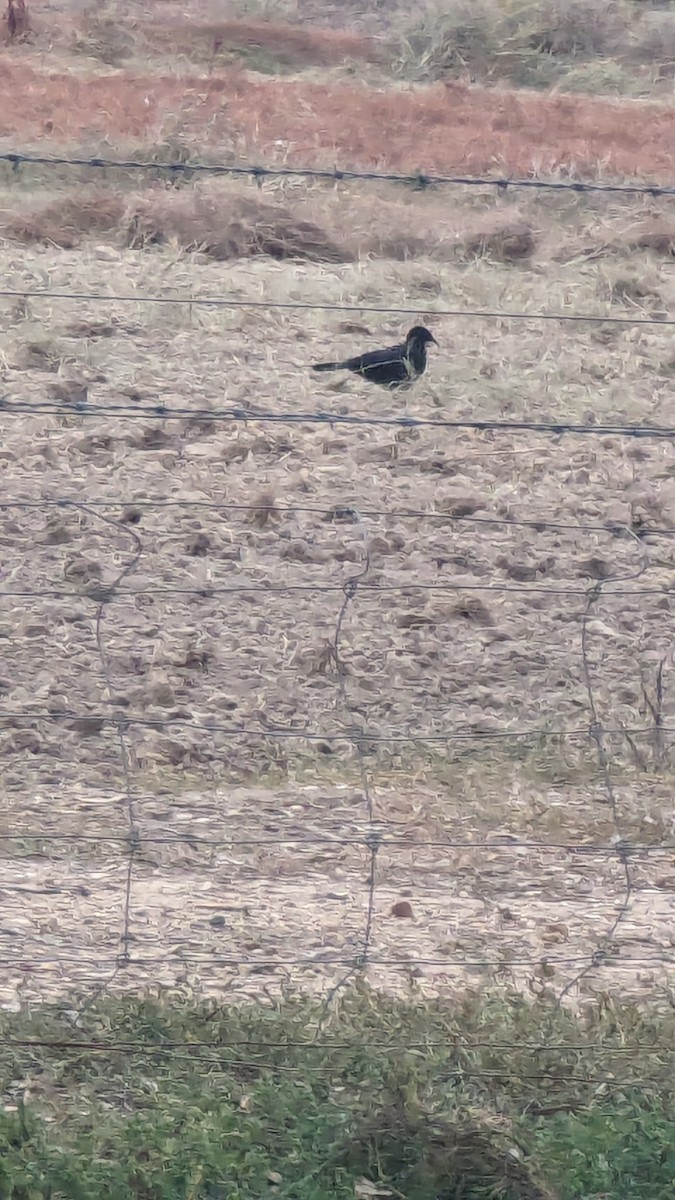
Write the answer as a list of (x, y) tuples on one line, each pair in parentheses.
[(334, 306), (250, 415), (420, 180), (346, 512)]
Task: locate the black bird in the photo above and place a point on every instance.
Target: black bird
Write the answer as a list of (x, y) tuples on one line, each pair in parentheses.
[(391, 367)]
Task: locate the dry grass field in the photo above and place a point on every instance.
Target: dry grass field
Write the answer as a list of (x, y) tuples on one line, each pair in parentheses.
[(187, 575)]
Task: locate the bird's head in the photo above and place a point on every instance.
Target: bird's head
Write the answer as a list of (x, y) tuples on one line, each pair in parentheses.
[(421, 335)]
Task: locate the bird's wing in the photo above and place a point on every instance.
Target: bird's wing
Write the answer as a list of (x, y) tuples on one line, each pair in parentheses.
[(375, 358)]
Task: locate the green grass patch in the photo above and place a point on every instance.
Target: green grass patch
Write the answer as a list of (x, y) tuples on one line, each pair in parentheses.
[(492, 1097)]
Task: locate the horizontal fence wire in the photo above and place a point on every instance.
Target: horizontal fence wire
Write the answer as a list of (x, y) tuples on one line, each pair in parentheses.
[(455, 1040), (339, 512), (420, 179), (248, 415), (316, 306), (107, 592), (463, 1072), (205, 1055), (213, 1054), (488, 845), (234, 731), (610, 958)]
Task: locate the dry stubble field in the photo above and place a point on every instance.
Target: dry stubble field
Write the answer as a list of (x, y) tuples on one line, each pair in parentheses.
[(194, 582)]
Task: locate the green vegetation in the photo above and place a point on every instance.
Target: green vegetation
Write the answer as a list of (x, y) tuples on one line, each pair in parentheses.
[(488, 1098), (602, 47)]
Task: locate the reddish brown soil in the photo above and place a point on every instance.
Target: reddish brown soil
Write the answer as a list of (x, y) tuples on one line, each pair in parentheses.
[(443, 128)]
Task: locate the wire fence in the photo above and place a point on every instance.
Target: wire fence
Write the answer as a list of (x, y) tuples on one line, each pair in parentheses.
[(261, 773), (247, 415), (382, 854), (234, 302), (339, 512), (420, 180)]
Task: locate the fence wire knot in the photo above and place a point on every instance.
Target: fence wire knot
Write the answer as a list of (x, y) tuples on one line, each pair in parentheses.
[(350, 588)]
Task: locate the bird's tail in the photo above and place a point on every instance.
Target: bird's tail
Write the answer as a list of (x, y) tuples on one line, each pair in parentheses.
[(328, 366)]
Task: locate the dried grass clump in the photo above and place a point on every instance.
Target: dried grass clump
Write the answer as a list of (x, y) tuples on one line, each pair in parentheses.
[(612, 237), (654, 38), (226, 225), (261, 45), (656, 236), (449, 1156), (109, 40), (571, 27), (230, 220), (600, 76), (500, 238), (264, 510), (438, 41), (531, 43), (66, 221), (233, 220), (503, 241), (400, 231)]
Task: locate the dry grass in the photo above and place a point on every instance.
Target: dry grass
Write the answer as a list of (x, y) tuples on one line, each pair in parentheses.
[(226, 220), (266, 47), (262, 46), (108, 39), (65, 221), (615, 46), (531, 43), (227, 223)]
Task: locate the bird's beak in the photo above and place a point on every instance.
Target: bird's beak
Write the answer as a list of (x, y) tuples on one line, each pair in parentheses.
[(434, 340)]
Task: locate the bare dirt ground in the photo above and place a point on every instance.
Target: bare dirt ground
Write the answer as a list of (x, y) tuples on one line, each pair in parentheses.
[(293, 120), (459, 628), (253, 915), (187, 575)]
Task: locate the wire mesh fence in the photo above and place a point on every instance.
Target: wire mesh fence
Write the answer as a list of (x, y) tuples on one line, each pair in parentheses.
[(177, 833), (252, 741)]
